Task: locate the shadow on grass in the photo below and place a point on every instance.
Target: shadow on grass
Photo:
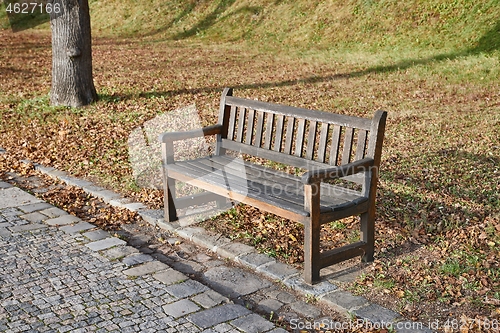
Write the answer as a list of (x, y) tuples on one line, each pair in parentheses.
[(206, 22)]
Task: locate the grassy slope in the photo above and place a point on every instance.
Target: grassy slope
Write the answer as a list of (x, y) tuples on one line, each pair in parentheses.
[(434, 65), (405, 26)]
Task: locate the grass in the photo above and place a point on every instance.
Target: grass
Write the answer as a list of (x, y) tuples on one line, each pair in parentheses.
[(433, 65)]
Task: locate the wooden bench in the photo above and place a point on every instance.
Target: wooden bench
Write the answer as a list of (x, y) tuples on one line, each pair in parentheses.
[(327, 146)]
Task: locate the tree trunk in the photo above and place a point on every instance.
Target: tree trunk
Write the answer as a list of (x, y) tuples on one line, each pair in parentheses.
[(72, 83)]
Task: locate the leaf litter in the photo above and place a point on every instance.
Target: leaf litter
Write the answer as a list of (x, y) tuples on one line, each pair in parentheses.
[(438, 244)]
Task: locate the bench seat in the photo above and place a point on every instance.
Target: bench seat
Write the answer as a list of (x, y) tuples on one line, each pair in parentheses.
[(236, 177)]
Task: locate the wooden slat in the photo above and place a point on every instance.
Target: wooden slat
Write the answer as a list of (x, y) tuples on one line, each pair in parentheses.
[(340, 254), (334, 148), (361, 145), (299, 140), (232, 123), (195, 199), (323, 140), (241, 124), (269, 130), (259, 129), (311, 115), (243, 198), (250, 130), (311, 140), (290, 128), (278, 138), (239, 185), (346, 153), (271, 155)]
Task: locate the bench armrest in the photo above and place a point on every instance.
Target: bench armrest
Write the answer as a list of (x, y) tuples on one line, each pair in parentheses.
[(176, 136), (315, 176)]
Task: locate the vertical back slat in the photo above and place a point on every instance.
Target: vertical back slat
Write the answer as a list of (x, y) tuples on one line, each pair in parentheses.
[(323, 140), (278, 138), (269, 131), (251, 118), (346, 153), (290, 127), (334, 149), (241, 124), (299, 140), (361, 146), (260, 128), (311, 140), (232, 123)]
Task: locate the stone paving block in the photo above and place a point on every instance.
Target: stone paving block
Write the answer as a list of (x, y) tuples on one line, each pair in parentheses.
[(96, 234), (269, 305), (252, 323), (180, 308), (209, 299), (233, 282), (306, 310), (105, 243), (63, 220), (188, 232), (135, 206), (151, 215), (217, 315), (54, 212), (139, 240), (119, 252), (317, 290), (343, 301), (136, 259), (186, 289), (147, 268), (278, 270), (208, 241), (5, 224), (4, 185), (14, 197), (72, 181), (170, 276), (187, 266), (105, 195), (27, 227), (234, 249), (4, 232), (34, 217), (376, 314), (79, 227), (35, 207), (254, 260), (120, 202)]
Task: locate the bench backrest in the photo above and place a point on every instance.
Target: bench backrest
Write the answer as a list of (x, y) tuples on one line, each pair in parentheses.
[(299, 137)]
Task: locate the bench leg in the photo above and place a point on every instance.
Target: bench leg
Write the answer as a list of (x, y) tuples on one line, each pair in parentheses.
[(368, 235), (311, 235), (170, 211)]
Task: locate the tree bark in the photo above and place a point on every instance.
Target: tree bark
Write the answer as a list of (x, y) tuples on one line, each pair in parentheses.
[(72, 81)]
